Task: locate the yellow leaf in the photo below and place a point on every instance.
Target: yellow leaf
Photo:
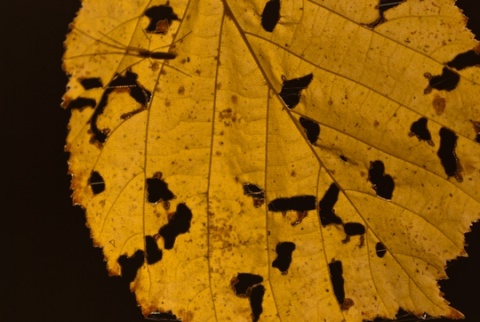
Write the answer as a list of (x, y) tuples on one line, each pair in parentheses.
[(239, 163)]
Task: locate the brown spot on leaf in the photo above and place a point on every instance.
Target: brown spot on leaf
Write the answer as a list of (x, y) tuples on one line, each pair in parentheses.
[(438, 104), (181, 90), (234, 99), (376, 124), (347, 303)]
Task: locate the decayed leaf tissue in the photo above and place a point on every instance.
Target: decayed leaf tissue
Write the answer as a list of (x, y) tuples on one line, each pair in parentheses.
[(275, 160)]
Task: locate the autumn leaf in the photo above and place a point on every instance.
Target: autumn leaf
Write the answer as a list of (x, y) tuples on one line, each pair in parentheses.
[(275, 161)]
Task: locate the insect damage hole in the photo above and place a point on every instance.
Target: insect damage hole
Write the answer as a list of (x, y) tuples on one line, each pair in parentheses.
[(249, 285), (382, 183), (291, 89), (284, 252), (336, 275)]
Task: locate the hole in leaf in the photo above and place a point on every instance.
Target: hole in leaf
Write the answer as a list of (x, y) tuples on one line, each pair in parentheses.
[(284, 256), (382, 183), (380, 249), (291, 89), (447, 155), (130, 265), (312, 129), (271, 15), (96, 183), (466, 59), (161, 18), (336, 275), (420, 130), (354, 229), (326, 211), (476, 128), (81, 102), (154, 254), (256, 299), (447, 81), (157, 189), (89, 83), (254, 191), (178, 223), (243, 282), (163, 317), (298, 203)]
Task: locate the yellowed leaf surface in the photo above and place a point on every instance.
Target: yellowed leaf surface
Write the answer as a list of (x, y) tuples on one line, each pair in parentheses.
[(323, 170)]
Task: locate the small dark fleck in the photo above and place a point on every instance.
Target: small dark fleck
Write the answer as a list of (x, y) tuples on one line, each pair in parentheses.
[(336, 275), (312, 129), (466, 59), (382, 183), (89, 83), (178, 223), (163, 317), (380, 249), (157, 189), (271, 15), (298, 203), (161, 18), (344, 158), (284, 256), (81, 102), (354, 229), (420, 130), (447, 155), (96, 182), (130, 265), (154, 254), (291, 89), (325, 206)]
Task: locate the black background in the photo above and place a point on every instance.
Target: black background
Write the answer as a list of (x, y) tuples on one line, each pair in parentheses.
[(49, 269)]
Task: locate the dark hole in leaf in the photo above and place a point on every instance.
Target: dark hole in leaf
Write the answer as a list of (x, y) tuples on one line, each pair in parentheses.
[(326, 211), (354, 229), (420, 130), (312, 129), (466, 59), (254, 191), (163, 317), (137, 92), (380, 249), (243, 282), (256, 298), (336, 275), (447, 81), (382, 183), (89, 83), (291, 89), (96, 183), (130, 265), (476, 128), (447, 155), (385, 5), (161, 18), (154, 254), (284, 256), (271, 15), (298, 203), (178, 223), (157, 189), (81, 102)]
